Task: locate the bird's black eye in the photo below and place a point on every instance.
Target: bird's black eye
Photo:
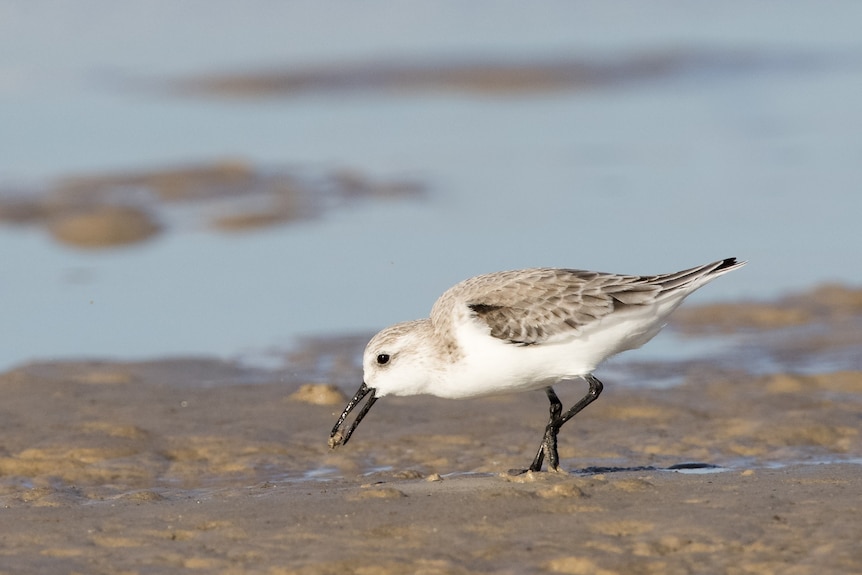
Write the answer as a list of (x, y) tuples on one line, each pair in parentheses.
[(383, 359)]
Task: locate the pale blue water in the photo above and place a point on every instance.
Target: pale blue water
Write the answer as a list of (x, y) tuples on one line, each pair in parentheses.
[(762, 163)]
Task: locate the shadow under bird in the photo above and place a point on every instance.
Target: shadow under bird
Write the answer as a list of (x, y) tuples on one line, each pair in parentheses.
[(519, 331)]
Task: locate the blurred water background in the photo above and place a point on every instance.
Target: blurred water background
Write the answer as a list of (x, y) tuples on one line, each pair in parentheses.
[(658, 136)]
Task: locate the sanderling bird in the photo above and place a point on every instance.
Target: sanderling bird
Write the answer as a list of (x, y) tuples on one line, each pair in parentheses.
[(518, 331)]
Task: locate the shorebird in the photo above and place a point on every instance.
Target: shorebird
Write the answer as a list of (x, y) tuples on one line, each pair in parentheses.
[(518, 331)]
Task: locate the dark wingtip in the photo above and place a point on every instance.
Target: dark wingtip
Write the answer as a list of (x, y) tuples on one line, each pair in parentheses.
[(729, 263)]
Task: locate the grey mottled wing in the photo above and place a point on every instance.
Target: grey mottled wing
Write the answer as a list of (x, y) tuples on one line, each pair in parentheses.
[(531, 306)]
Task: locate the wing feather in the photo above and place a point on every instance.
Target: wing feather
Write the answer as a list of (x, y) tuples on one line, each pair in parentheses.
[(529, 307)]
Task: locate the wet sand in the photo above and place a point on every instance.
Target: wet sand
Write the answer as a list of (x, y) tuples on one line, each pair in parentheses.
[(800, 519), (202, 464)]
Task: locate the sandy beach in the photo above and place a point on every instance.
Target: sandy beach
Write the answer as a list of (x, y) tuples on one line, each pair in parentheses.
[(205, 465)]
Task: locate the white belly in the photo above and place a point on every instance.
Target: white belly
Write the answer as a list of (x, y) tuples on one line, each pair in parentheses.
[(492, 366)]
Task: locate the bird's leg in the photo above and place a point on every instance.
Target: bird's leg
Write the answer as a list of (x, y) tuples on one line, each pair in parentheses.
[(549, 441), (558, 419), (596, 388)]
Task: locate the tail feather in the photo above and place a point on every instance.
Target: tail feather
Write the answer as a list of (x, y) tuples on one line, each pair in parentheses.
[(695, 277)]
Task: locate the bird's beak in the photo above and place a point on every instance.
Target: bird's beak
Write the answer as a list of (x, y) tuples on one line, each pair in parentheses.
[(339, 436)]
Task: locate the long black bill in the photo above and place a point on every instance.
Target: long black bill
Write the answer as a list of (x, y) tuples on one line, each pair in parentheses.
[(339, 437)]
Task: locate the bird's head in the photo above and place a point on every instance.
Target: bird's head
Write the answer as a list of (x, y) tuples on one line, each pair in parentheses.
[(394, 363)]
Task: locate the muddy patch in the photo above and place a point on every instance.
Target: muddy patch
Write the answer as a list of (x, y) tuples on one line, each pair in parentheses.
[(114, 209)]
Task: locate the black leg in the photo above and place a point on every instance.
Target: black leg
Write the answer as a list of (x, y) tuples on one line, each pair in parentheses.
[(596, 388), (557, 419), (549, 441)]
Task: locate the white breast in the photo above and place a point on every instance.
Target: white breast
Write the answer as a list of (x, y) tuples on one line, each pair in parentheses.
[(490, 366)]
